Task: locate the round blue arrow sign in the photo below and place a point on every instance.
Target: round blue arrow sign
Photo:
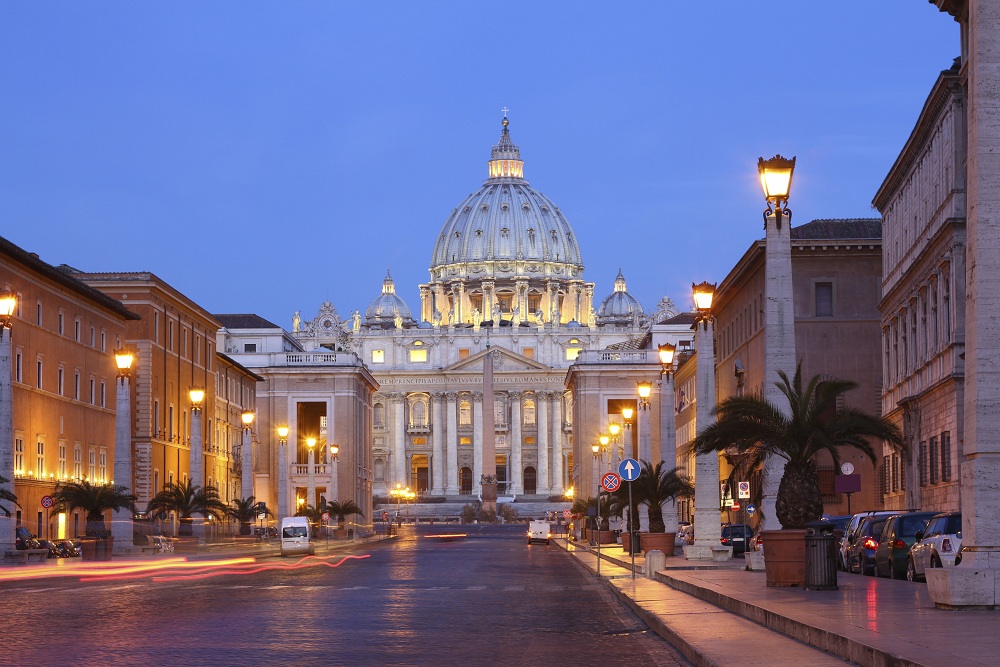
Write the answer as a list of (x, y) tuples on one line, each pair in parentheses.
[(629, 470), (751, 508)]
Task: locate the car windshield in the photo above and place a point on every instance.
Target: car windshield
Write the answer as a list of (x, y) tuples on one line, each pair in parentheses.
[(909, 525)]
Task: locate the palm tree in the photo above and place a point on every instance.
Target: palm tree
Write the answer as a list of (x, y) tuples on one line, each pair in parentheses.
[(245, 510), (315, 514), (94, 500), (757, 428), (186, 500), (656, 486), (342, 509), (6, 495)]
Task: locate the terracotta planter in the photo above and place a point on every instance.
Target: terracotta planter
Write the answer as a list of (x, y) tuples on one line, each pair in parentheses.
[(606, 537), (185, 527), (785, 557), (659, 541), (96, 548), (627, 542)]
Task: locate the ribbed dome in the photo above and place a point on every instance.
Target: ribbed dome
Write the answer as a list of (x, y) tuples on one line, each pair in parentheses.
[(506, 228), (384, 308), (620, 308)]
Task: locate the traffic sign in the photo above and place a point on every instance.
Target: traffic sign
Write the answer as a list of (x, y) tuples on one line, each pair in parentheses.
[(610, 482), (629, 470), (751, 508), (735, 506), (744, 490), (47, 502), (326, 516), (567, 514)]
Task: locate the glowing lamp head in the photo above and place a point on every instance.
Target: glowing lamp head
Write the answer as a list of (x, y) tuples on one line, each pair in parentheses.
[(604, 440), (283, 432), (334, 450), (247, 418), (776, 178), (8, 304), (614, 427), (569, 492), (645, 389), (667, 354), (123, 360), (704, 294), (310, 442), (595, 448), (197, 395), (627, 413)]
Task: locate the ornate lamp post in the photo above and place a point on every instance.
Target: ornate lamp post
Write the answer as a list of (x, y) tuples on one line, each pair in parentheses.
[(779, 311), (311, 489), (629, 441), (282, 472), (197, 462), (615, 428), (8, 305), (121, 522), (334, 469), (645, 390), (668, 430), (707, 529), (246, 455)]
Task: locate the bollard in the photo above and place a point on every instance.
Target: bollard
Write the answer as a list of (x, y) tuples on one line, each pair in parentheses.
[(655, 560)]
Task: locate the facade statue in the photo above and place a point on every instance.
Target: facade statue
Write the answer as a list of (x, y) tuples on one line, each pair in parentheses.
[(296, 321), (398, 319)]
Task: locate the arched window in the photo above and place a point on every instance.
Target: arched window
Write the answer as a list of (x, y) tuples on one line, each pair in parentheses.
[(465, 415), (379, 470), (530, 480), (379, 415), (418, 413), (465, 475), (529, 412)]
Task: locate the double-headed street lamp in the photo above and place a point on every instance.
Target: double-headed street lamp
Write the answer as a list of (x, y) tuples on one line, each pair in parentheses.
[(121, 521)]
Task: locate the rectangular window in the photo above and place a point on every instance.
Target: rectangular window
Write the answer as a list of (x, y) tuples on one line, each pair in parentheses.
[(104, 341), (93, 337), (418, 356), (197, 349), (91, 463), (922, 456), (62, 323), (93, 391), (76, 385), (104, 395), (170, 335), (103, 465), (38, 373), (824, 299), (894, 474), (76, 331), (156, 326), (572, 353), (946, 456), (18, 368), (170, 423), (156, 419), (60, 380), (18, 454), (38, 313), (378, 356), (77, 461), (933, 462), (40, 459), (250, 348), (463, 353), (528, 352), (62, 459), (184, 343)]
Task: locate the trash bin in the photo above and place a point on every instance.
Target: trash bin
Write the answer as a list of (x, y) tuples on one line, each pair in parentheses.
[(821, 556)]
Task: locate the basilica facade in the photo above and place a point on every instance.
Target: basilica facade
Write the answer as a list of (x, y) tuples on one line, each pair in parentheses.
[(506, 279)]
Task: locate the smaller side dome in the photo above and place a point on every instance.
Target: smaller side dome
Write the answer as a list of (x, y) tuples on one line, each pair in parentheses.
[(620, 309), (388, 310)]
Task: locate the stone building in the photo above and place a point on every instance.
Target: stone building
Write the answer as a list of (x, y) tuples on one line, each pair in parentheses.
[(922, 202), (63, 337)]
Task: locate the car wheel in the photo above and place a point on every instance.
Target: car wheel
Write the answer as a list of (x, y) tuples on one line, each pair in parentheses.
[(935, 561), (911, 570)]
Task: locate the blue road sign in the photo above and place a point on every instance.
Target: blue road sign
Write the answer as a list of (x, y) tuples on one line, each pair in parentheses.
[(629, 470), (751, 508)]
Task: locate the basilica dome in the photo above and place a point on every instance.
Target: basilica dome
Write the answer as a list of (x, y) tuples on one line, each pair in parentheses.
[(506, 229), (620, 308)]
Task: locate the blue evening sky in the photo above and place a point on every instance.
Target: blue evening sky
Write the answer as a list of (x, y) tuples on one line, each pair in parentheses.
[(267, 156)]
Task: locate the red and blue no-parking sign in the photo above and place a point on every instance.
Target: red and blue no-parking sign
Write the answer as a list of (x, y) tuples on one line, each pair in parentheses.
[(611, 482)]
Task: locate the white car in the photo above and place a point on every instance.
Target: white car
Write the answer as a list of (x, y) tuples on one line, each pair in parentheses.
[(937, 547)]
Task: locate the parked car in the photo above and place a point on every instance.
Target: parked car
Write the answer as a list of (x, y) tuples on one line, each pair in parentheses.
[(861, 550), (898, 535), (737, 536), (70, 548), (53, 548), (851, 532), (937, 546)]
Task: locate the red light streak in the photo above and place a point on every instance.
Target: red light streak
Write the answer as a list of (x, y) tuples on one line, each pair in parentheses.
[(253, 568)]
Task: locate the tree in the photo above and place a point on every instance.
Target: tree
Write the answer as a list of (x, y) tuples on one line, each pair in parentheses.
[(757, 428), (342, 509), (656, 486), (245, 510), (94, 500), (187, 500), (6, 495), (314, 514)]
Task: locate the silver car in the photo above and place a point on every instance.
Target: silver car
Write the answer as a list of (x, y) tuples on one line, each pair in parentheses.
[(937, 546)]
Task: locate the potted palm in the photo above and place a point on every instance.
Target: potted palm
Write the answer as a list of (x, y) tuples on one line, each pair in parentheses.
[(756, 428), (94, 500), (186, 500), (245, 511), (656, 486), (342, 509)]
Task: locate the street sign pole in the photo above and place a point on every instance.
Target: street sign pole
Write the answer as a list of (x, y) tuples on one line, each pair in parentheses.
[(598, 532), (631, 523)]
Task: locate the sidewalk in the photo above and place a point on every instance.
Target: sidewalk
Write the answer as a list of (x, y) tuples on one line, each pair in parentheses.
[(739, 620)]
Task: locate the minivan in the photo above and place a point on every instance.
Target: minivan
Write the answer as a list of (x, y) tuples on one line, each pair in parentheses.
[(295, 536), (539, 531)]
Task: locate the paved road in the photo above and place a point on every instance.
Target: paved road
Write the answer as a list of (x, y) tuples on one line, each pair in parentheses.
[(416, 601)]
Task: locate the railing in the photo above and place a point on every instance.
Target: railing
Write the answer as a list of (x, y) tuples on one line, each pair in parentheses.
[(618, 357), (303, 469)]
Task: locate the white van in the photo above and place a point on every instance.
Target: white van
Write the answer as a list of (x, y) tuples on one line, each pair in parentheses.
[(295, 536), (539, 531)]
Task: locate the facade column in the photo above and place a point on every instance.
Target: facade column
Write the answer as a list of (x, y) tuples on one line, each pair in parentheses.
[(197, 466), (477, 442), (707, 526), (558, 477), (283, 482), (437, 445), (516, 456), (644, 427), (398, 439), (121, 521), (426, 304), (668, 444), (544, 486), (451, 464)]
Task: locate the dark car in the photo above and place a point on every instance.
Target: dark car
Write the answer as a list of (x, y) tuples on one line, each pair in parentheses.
[(24, 540), (54, 550), (898, 535), (851, 532), (70, 549), (737, 536), (861, 549)]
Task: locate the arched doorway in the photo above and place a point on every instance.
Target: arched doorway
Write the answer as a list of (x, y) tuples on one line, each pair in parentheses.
[(465, 476), (530, 480)]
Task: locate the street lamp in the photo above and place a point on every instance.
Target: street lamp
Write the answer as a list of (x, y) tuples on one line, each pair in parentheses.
[(311, 491), (707, 530), (629, 442), (668, 429), (615, 428), (282, 471), (666, 352), (196, 458), (776, 180), (8, 305), (334, 469), (246, 455), (121, 521)]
